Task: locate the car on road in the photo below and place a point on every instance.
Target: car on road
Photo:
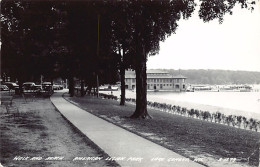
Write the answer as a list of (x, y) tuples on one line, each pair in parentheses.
[(4, 88)]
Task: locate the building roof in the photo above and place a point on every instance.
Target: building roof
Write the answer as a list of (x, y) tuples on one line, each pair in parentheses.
[(167, 76), (152, 74), (153, 71), (180, 76)]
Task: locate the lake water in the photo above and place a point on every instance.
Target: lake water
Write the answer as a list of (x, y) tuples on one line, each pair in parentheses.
[(240, 103), (237, 103)]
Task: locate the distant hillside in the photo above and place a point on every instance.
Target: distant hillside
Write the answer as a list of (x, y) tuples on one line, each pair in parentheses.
[(218, 76)]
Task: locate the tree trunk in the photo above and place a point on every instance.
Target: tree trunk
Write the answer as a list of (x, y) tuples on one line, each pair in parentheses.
[(71, 86), (82, 90), (122, 76), (141, 90), (97, 87), (20, 83)]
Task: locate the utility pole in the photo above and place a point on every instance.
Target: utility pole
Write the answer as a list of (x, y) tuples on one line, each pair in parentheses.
[(98, 55)]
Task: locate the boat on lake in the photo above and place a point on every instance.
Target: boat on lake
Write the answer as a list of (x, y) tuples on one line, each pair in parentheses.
[(236, 88), (220, 88)]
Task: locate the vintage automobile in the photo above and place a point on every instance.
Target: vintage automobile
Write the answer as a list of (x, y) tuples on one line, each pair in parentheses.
[(31, 86), (47, 86), (4, 88), (57, 87), (11, 85), (47, 89)]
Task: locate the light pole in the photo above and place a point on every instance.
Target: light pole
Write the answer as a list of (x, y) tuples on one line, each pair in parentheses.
[(98, 54)]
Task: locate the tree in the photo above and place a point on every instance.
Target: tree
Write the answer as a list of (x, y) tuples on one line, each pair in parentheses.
[(152, 21), (26, 37), (122, 41), (134, 29), (89, 41)]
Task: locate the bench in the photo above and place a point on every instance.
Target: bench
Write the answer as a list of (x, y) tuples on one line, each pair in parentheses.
[(6, 100)]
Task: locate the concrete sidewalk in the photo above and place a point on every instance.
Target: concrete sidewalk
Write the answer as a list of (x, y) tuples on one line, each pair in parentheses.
[(125, 147)]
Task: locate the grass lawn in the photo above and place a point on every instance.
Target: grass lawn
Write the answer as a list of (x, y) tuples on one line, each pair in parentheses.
[(40, 131), (212, 144)]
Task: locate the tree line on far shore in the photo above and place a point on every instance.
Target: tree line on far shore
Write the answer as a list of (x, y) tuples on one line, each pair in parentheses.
[(218, 77)]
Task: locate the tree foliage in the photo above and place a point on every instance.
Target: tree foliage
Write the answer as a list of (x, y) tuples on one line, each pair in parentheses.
[(86, 39)]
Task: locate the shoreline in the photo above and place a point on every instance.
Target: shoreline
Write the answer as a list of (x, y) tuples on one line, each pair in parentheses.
[(210, 141), (190, 105)]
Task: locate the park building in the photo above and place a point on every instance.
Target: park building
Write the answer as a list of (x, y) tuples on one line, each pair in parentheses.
[(157, 80)]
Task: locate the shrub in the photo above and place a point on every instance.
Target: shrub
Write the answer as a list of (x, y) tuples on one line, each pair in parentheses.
[(197, 113)]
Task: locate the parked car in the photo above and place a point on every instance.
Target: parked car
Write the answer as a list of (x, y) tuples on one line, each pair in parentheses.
[(61, 87), (47, 86), (11, 85), (57, 87), (28, 85), (4, 88), (31, 86), (47, 89)]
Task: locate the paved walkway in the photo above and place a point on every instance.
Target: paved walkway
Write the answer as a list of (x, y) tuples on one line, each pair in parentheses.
[(127, 148)]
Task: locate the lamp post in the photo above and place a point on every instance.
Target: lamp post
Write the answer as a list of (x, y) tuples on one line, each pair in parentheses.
[(98, 54)]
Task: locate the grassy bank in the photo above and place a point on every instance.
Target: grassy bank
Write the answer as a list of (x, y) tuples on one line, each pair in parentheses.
[(39, 130), (214, 144)]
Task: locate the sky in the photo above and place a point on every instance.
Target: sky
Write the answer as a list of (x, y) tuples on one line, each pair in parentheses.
[(232, 45)]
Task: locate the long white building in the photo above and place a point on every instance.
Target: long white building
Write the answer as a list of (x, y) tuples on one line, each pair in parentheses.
[(157, 80)]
